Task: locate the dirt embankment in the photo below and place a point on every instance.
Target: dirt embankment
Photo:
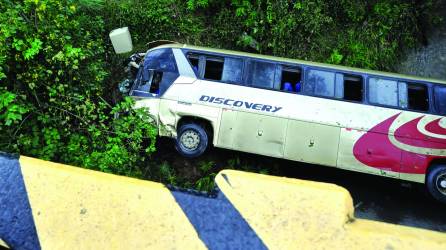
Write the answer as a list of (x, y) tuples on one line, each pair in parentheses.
[(430, 60)]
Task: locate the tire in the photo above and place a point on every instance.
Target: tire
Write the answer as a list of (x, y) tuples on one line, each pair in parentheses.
[(192, 140), (436, 182)]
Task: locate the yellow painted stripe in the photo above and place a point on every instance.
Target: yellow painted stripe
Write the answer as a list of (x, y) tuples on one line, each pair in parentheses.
[(3, 244), (289, 214), (74, 208)]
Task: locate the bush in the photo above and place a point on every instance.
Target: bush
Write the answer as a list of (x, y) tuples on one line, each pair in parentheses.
[(53, 74)]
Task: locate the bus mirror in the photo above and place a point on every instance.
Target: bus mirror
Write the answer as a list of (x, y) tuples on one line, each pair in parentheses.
[(121, 40)]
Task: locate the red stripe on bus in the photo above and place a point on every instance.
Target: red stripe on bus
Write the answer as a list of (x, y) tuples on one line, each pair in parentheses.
[(375, 149), (409, 134), (434, 127)]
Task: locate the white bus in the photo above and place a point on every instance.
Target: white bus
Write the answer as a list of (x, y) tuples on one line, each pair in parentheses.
[(361, 120)]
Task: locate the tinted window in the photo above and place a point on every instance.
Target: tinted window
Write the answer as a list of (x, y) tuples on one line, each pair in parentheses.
[(232, 70), (382, 91), (261, 74), (440, 99), (320, 83)]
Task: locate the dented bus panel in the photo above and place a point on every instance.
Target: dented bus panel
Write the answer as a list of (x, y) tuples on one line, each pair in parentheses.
[(367, 121)]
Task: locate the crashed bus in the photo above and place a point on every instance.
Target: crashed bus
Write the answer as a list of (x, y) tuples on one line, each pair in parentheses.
[(361, 120)]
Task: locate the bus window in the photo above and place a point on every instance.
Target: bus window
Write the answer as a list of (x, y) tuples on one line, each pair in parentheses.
[(261, 74), (214, 68), (232, 70), (353, 88), (291, 79), (440, 99), (194, 60), (382, 91), (418, 98), (320, 83)]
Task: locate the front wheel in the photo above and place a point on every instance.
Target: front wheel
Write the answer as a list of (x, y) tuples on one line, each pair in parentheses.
[(436, 183), (192, 140)]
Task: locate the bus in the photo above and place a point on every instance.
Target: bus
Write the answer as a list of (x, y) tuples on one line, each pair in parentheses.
[(367, 121)]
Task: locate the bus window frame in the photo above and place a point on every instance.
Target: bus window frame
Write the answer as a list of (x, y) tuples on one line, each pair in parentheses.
[(363, 77), (305, 69), (193, 55), (280, 67), (406, 81), (247, 63), (220, 59), (429, 97), (434, 103), (203, 55)]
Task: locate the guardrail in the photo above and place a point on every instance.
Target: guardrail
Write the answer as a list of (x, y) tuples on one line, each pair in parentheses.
[(53, 206)]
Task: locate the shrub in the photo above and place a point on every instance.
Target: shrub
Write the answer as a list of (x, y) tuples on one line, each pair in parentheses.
[(52, 73)]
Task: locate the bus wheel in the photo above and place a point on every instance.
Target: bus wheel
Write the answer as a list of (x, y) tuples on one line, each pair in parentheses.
[(192, 140), (436, 182)]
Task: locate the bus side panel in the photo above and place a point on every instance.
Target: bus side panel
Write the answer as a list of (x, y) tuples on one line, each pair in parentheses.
[(167, 117), (227, 128), (372, 158), (312, 142), (260, 134), (413, 166)]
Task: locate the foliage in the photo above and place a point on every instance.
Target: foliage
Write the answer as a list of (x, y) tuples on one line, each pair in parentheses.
[(53, 65)]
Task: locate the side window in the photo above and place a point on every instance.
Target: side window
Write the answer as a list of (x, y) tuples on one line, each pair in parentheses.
[(352, 88), (260, 74), (232, 70), (214, 68), (291, 79), (218, 68), (440, 99), (337, 85), (382, 91), (320, 83), (417, 97)]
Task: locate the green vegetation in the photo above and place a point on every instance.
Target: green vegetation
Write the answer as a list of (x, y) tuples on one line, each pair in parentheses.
[(58, 71)]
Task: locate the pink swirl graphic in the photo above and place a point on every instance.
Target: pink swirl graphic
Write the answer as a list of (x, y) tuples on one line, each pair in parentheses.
[(375, 149), (435, 128)]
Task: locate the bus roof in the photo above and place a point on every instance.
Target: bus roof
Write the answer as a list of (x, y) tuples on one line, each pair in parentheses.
[(296, 61)]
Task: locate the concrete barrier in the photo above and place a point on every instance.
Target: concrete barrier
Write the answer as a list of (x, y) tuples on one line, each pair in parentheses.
[(53, 206)]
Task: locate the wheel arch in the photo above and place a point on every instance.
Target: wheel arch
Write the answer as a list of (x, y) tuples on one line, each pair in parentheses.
[(205, 123), (433, 164)]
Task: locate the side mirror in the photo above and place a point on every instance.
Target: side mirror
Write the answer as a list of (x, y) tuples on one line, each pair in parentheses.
[(121, 40)]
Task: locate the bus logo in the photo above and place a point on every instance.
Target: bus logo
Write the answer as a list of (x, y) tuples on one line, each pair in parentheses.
[(239, 103)]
